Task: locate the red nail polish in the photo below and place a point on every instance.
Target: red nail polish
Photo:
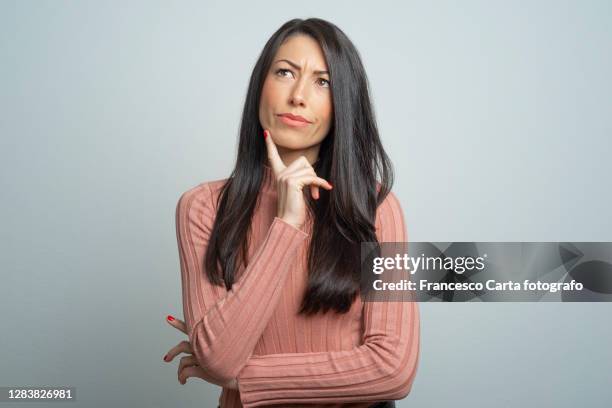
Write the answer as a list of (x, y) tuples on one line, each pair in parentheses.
[(170, 318), (166, 357), (265, 134)]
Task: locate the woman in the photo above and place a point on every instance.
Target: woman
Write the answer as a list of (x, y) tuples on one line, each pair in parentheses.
[(270, 256)]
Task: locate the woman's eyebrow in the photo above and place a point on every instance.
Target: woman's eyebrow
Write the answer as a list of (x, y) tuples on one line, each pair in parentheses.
[(296, 66)]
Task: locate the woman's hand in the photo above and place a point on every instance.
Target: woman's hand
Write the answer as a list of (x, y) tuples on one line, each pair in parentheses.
[(290, 181), (189, 366)]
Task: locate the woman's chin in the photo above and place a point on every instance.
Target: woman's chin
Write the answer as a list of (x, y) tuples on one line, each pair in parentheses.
[(289, 143)]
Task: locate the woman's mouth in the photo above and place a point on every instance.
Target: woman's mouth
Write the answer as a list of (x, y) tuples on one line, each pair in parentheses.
[(293, 120)]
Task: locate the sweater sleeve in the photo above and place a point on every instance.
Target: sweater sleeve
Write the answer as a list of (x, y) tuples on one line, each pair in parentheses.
[(383, 367), (224, 326)]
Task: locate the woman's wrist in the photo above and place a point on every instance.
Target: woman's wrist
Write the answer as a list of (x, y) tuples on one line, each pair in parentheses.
[(290, 222)]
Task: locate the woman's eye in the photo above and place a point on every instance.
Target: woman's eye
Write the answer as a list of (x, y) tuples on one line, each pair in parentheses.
[(281, 71), (325, 82)]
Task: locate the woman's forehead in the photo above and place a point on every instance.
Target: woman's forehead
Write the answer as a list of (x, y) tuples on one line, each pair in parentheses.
[(302, 50)]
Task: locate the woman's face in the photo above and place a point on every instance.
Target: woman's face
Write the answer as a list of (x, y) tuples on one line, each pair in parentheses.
[(298, 84)]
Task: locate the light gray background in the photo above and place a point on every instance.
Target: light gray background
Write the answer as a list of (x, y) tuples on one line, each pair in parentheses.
[(497, 116)]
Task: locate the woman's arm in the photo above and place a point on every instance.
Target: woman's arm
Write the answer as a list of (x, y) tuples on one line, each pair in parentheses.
[(382, 368), (224, 326)]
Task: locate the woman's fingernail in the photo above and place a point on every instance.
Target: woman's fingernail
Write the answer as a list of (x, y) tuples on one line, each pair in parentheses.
[(166, 357), (170, 318), (265, 134)]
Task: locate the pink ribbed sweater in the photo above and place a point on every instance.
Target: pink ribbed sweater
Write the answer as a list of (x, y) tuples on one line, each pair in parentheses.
[(253, 332)]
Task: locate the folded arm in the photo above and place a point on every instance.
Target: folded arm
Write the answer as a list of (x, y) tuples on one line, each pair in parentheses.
[(383, 367)]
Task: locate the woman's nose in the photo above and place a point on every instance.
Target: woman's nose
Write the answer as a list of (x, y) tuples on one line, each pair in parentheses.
[(297, 99), (297, 94)]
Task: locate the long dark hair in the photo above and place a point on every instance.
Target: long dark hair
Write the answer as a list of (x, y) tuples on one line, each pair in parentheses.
[(351, 155)]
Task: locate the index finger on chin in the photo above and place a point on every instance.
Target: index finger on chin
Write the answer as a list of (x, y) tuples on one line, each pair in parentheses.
[(275, 160)]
